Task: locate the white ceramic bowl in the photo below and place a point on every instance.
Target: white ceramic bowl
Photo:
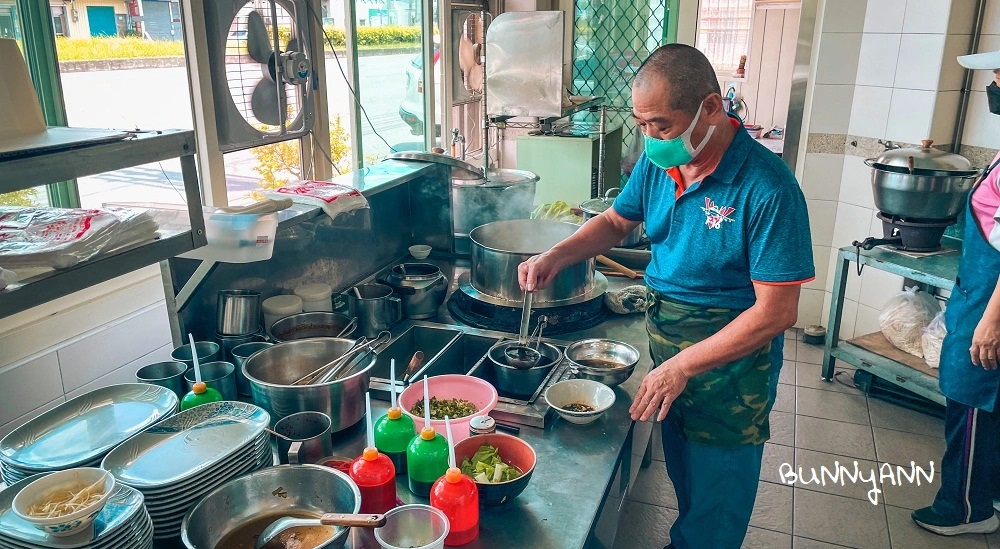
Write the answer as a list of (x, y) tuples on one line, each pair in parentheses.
[(420, 251), (65, 525), (583, 391)]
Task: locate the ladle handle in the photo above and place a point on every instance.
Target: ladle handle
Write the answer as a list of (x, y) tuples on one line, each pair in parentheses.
[(344, 519)]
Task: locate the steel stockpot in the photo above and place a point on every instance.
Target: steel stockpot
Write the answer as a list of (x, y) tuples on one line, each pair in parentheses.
[(522, 381), (596, 206), (271, 371), (422, 288), (504, 194), (499, 247)]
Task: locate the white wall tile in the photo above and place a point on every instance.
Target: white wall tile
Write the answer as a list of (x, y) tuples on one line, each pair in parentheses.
[(848, 318), (963, 14), (919, 63), (845, 15), (926, 16), (28, 386), (810, 307), (952, 73), (851, 225), (838, 58), (822, 218), (991, 23), (885, 16), (831, 108), (110, 347), (870, 111), (6, 428), (126, 373), (825, 316), (982, 128), (821, 176), (877, 287), (867, 322), (821, 261), (945, 112), (855, 185), (877, 61), (910, 115), (987, 42)]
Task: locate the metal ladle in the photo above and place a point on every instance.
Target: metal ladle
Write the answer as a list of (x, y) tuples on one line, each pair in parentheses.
[(328, 519), (524, 356)]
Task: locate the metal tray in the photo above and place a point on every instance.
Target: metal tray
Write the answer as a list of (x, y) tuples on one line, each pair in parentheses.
[(86, 427)]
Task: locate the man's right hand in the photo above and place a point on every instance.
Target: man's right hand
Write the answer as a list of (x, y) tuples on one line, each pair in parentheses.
[(537, 272)]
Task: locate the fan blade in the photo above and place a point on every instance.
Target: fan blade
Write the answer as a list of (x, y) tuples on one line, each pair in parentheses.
[(258, 42), (264, 103)]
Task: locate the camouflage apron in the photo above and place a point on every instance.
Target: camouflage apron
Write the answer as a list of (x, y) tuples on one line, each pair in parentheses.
[(726, 406)]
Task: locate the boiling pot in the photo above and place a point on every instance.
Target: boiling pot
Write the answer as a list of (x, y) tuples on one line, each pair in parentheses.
[(921, 183), (422, 288), (499, 247), (504, 194), (596, 206)]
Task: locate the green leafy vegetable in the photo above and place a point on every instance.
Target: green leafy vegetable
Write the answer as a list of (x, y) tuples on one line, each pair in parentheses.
[(487, 467)]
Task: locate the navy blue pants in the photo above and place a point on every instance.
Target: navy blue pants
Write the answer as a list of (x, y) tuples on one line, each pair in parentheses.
[(970, 468)]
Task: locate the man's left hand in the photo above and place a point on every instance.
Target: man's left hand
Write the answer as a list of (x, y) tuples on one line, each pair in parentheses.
[(986, 343), (658, 391)]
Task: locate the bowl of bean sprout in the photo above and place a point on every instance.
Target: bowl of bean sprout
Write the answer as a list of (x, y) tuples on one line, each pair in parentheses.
[(66, 502)]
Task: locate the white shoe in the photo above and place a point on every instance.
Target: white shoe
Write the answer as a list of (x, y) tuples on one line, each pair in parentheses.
[(987, 526), (996, 505)]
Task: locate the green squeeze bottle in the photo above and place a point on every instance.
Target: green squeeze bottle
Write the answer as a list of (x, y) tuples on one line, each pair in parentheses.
[(200, 393), (427, 455), (394, 430)]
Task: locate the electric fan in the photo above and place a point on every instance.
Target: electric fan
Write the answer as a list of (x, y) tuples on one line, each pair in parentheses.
[(470, 51)]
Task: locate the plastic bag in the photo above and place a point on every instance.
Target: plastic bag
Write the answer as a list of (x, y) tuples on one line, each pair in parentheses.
[(931, 339), (905, 316), (335, 199)]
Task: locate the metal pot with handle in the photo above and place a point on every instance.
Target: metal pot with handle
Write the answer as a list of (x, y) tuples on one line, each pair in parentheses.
[(422, 288), (596, 206)]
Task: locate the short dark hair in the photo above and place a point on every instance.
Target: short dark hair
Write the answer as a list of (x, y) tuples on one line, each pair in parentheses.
[(688, 72)]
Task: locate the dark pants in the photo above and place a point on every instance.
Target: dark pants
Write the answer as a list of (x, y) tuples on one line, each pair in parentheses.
[(970, 468)]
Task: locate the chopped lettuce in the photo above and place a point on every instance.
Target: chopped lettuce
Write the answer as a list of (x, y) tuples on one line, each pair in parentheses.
[(487, 467)]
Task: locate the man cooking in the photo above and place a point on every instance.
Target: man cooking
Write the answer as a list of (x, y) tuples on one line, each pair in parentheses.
[(968, 373), (731, 248)]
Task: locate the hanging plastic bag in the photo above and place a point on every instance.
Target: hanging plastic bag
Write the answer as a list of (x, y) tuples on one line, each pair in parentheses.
[(905, 316), (931, 339)]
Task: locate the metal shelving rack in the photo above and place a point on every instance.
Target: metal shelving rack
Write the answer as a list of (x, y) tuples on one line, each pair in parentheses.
[(29, 170)]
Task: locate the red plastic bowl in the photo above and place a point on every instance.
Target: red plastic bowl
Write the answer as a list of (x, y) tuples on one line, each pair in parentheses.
[(473, 389), (513, 451)]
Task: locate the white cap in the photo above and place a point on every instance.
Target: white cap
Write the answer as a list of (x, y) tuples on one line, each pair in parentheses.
[(983, 61), (314, 292), (282, 305)]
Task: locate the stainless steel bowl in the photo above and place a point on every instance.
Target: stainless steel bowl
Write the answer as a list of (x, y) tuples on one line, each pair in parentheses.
[(270, 372), (275, 491), (619, 360), (521, 381), (309, 325)]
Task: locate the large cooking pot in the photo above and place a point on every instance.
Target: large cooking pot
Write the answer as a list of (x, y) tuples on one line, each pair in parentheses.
[(596, 206), (308, 325), (499, 247), (270, 372), (505, 194), (921, 183), (421, 286)]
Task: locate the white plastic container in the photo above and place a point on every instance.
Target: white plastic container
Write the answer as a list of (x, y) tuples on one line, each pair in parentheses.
[(315, 297), (237, 238), (278, 307)]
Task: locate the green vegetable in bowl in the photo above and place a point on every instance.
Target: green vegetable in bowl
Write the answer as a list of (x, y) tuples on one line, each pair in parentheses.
[(486, 466)]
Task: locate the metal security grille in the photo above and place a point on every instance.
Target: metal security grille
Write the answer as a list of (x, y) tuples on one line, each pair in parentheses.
[(611, 39)]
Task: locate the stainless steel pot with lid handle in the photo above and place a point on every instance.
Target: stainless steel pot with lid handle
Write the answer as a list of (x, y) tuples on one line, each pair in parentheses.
[(923, 160)]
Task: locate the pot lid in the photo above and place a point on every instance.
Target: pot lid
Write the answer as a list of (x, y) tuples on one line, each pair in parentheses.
[(314, 292), (924, 159), (504, 177), (600, 205), (416, 271), (460, 169)]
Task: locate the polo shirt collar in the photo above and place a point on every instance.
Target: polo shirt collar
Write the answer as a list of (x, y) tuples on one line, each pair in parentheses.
[(734, 157)]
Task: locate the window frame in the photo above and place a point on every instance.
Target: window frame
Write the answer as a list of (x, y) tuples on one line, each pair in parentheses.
[(726, 73)]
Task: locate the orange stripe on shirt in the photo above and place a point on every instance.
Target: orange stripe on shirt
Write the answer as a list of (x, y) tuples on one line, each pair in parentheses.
[(792, 283)]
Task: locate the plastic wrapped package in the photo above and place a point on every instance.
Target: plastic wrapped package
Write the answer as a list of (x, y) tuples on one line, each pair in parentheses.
[(931, 339), (335, 199), (905, 316)]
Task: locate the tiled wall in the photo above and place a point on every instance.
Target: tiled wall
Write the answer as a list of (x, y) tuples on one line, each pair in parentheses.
[(886, 70)]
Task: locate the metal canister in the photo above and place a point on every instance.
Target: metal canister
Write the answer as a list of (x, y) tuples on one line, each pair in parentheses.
[(482, 425)]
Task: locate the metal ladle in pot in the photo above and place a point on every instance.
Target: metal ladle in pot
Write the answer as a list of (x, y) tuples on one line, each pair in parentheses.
[(329, 519), (524, 356)]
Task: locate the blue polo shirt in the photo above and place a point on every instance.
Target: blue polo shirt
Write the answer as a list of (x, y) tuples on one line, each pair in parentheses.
[(746, 222)]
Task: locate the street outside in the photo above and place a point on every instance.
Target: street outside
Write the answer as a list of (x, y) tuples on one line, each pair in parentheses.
[(159, 98)]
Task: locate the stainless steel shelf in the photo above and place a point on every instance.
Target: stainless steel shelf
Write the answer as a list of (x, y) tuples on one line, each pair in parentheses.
[(88, 159)]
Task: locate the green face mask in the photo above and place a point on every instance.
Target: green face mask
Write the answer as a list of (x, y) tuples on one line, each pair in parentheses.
[(670, 153)]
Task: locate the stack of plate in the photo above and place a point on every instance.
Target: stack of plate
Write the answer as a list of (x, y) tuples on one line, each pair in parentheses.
[(122, 524), (176, 462), (81, 431)]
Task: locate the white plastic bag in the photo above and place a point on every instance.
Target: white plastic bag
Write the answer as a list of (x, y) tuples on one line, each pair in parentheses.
[(932, 338), (905, 316), (334, 198)]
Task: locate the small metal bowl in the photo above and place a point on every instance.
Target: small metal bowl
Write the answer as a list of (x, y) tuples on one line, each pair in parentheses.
[(605, 360)]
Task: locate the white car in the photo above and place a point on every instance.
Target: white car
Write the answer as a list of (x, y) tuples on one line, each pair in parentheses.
[(411, 110)]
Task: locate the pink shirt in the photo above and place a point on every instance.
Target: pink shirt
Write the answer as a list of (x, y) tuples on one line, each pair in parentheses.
[(986, 206)]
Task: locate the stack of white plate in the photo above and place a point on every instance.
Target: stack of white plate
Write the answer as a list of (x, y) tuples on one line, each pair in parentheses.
[(177, 462), (81, 431), (122, 524)]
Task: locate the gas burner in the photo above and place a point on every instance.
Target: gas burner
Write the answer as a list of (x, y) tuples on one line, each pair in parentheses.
[(913, 235), (507, 318)]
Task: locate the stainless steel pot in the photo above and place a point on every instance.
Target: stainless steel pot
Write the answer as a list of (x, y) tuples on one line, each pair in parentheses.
[(605, 360), (375, 308), (518, 381), (596, 206), (270, 372), (277, 491), (498, 248), (309, 325), (422, 288), (922, 183), (505, 194)]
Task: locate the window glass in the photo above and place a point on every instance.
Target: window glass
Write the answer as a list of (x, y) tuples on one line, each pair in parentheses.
[(724, 32)]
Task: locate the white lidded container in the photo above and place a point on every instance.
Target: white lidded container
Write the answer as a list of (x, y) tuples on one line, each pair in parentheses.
[(237, 238), (315, 297), (278, 307)]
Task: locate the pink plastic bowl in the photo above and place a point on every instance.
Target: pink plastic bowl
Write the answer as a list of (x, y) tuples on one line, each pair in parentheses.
[(473, 389)]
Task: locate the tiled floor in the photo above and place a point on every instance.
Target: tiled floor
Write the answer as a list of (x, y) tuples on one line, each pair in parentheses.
[(815, 423)]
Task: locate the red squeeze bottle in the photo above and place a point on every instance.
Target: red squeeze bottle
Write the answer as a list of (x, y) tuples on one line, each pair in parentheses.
[(375, 476), (458, 496)]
